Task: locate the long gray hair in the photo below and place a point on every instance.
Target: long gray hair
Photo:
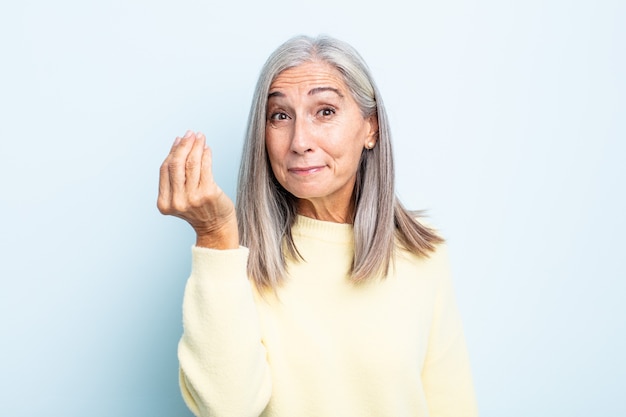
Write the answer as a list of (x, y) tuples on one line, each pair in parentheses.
[(266, 211)]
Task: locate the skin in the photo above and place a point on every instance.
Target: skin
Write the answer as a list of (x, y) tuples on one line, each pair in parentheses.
[(315, 134), (187, 190)]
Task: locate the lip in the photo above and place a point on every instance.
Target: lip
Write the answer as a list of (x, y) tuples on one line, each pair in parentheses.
[(306, 170)]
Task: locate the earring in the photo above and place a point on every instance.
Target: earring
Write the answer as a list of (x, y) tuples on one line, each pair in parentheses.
[(370, 145)]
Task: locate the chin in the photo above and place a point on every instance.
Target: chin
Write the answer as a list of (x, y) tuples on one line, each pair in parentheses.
[(305, 194)]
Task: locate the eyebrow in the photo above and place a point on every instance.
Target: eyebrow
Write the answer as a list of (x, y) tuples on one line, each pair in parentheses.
[(317, 90), (313, 91)]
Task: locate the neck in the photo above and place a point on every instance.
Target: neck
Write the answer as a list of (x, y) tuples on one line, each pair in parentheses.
[(336, 213)]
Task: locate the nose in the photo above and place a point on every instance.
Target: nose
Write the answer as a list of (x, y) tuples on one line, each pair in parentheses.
[(301, 137)]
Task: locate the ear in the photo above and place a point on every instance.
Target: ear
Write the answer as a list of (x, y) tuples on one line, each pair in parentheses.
[(372, 131)]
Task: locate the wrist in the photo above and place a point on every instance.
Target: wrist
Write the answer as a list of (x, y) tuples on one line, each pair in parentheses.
[(225, 237)]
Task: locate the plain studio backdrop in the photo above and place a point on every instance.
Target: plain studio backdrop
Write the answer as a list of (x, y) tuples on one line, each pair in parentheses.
[(508, 120)]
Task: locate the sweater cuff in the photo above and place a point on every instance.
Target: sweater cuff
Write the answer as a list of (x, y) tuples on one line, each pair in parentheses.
[(221, 262)]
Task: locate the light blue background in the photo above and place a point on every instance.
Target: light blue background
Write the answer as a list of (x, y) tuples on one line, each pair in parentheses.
[(508, 119)]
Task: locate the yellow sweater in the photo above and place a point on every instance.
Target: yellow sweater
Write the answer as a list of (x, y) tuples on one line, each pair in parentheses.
[(324, 347)]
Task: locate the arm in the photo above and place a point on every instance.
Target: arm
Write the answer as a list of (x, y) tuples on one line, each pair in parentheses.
[(446, 374), (223, 370)]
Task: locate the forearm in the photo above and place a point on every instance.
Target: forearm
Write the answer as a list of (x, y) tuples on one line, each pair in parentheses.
[(223, 364)]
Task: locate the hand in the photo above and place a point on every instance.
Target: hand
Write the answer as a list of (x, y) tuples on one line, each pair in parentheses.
[(187, 190)]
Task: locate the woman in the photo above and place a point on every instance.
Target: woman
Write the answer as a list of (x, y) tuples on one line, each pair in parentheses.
[(319, 294)]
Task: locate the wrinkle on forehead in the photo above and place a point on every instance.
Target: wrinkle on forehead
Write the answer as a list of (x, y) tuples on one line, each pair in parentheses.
[(309, 78)]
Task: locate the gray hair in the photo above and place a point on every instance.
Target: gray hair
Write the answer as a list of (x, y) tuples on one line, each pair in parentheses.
[(266, 212)]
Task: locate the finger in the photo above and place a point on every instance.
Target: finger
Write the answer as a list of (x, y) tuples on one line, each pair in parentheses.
[(164, 197), (177, 163), (206, 176), (174, 146), (193, 164), (176, 142)]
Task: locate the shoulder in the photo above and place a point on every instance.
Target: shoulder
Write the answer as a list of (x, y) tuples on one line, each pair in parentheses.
[(436, 258)]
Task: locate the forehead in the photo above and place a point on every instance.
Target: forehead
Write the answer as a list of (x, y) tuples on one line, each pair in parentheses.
[(309, 75)]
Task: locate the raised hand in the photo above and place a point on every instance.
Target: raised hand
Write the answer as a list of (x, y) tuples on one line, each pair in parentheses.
[(187, 190)]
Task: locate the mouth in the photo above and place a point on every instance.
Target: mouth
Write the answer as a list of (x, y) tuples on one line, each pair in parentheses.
[(306, 170)]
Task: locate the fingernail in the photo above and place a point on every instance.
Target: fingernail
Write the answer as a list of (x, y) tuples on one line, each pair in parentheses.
[(176, 141), (188, 134)]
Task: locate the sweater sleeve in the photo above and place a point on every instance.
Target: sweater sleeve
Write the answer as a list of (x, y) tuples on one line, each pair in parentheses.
[(446, 374), (223, 366)]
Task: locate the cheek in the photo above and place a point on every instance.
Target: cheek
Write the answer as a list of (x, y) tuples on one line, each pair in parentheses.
[(355, 162), (351, 146), (275, 157)]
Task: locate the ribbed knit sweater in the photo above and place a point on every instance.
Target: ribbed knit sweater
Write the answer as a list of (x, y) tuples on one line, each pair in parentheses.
[(323, 346)]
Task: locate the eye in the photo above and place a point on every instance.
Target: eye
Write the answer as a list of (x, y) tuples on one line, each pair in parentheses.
[(279, 116), (326, 112)]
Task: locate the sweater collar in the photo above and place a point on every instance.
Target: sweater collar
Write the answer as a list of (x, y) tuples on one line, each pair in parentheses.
[(323, 230)]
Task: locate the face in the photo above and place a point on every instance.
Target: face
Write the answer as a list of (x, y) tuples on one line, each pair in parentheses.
[(315, 134)]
